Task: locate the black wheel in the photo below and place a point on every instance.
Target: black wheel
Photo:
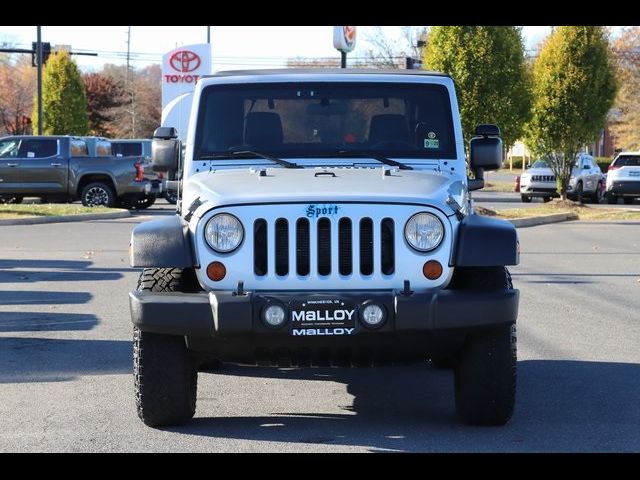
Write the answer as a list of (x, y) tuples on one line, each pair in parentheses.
[(525, 199), (597, 195), (98, 194), (579, 193), (485, 374), (628, 200), (171, 196), (611, 199), (165, 373), (4, 199), (546, 199)]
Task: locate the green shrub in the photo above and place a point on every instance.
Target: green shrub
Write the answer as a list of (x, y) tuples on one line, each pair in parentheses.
[(604, 162)]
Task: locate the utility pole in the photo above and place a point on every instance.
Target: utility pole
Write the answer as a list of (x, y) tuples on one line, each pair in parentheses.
[(39, 58), (208, 34), (129, 87)]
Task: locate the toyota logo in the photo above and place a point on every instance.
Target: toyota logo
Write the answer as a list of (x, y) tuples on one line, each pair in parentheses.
[(184, 61)]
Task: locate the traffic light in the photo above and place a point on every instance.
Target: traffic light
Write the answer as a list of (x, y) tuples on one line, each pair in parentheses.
[(46, 51)]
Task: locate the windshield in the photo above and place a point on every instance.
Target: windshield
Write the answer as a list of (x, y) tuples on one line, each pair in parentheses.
[(539, 164), (308, 119)]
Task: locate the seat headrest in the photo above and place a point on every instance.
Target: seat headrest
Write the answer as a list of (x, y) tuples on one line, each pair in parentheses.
[(389, 127), (263, 129)]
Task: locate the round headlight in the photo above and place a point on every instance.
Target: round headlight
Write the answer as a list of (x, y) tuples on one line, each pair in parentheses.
[(424, 232), (224, 233)]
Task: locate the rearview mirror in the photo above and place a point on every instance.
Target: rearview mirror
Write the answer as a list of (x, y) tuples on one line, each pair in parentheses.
[(165, 150)]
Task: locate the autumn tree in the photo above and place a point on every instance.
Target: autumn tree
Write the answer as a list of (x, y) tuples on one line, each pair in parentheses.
[(488, 67), (64, 104), (625, 115), (574, 87), (103, 96), (139, 108), (17, 84)]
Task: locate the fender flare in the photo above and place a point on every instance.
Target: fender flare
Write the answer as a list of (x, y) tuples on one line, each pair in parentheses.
[(162, 243), (485, 242)]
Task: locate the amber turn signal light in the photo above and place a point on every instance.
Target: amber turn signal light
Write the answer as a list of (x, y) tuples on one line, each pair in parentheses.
[(432, 269), (216, 271)]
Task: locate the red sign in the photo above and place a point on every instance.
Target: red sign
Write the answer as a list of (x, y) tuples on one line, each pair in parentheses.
[(184, 61)]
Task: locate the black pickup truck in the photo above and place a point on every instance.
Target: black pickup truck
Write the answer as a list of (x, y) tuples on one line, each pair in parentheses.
[(71, 168)]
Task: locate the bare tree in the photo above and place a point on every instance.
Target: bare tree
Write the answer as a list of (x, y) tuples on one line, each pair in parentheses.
[(391, 53)]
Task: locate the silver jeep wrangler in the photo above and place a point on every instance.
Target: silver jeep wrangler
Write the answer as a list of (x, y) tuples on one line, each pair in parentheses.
[(325, 220)]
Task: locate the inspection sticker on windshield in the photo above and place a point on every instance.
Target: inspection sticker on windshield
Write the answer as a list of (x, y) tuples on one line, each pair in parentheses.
[(321, 210), (431, 141)]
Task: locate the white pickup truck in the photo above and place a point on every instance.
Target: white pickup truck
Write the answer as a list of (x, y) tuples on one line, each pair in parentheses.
[(325, 219)]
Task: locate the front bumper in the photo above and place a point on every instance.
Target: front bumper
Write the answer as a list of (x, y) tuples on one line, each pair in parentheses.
[(228, 315), (537, 189)]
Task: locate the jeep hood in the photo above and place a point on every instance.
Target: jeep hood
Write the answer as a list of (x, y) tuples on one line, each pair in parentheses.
[(322, 185)]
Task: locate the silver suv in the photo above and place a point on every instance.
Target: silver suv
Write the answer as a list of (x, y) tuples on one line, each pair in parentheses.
[(623, 178), (586, 180)]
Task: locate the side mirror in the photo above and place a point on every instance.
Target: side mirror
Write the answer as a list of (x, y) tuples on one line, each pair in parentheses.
[(485, 153), (165, 150)]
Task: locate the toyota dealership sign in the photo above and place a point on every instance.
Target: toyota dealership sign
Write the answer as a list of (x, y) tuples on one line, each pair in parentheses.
[(181, 69)]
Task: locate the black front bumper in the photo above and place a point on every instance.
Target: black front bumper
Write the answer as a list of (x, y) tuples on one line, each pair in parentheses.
[(228, 315)]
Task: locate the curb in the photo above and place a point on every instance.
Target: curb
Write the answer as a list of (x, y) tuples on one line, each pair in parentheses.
[(543, 219), (119, 213)]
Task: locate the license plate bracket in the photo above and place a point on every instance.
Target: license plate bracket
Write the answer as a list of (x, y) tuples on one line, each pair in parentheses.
[(322, 317)]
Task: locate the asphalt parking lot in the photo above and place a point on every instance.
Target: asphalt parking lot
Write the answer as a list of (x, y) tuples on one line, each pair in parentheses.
[(65, 359)]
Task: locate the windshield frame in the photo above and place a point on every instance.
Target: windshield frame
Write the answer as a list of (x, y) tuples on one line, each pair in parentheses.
[(451, 153)]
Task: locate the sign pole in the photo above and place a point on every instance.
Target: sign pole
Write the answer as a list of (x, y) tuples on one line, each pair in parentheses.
[(39, 58), (344, 40)]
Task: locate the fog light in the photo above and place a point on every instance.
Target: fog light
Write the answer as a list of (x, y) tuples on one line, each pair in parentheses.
[(274, 315), (216, 271), (372, 315), (432, 270)]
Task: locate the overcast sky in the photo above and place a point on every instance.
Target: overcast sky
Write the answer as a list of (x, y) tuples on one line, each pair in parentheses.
[(233, 47)]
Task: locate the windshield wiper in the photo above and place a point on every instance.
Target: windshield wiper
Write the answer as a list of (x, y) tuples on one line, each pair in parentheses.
[(380, 158), (240, 153)]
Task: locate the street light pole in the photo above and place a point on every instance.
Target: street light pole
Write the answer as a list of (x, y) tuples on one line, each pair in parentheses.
[(39, 58), (208, 34)]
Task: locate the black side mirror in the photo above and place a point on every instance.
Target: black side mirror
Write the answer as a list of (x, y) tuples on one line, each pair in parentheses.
[(165, 150), (485, 153)]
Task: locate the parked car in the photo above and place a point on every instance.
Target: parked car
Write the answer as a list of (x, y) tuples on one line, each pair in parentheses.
[(586, 180), (537, 181), (623, 178), (67, 168)]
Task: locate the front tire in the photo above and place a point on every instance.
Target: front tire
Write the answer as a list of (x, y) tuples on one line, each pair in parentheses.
[(525, 199), (165, 378), (611, 199), (579, 193), (485, 377), (165, 373), (485, 373), (96, 194)]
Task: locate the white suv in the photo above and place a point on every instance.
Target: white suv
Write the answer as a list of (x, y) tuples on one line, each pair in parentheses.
[(623, 178)]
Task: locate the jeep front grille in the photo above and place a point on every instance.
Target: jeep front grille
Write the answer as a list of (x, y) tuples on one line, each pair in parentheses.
[(543, 178), (370, 256)]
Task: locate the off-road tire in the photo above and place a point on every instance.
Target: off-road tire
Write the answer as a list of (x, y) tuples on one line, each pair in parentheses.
[(171, 197), (165, 379), (485, 374), (165, 373), (96, 194)]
